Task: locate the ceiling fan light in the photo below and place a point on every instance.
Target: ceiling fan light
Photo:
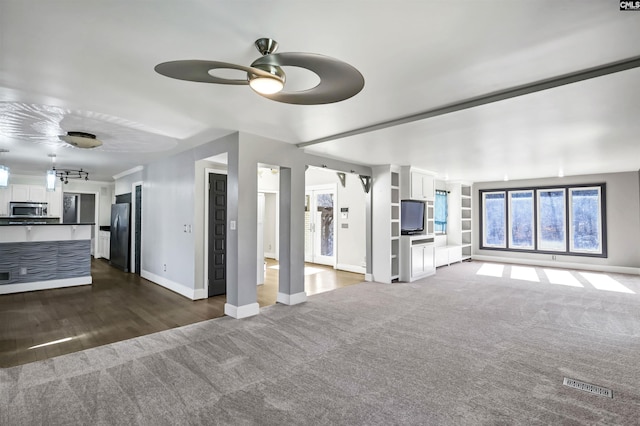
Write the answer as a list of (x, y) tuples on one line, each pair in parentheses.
[(81, 140), (267, 85)]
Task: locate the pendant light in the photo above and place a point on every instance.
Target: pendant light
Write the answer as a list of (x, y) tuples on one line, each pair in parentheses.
[(51, 175), (4, 171)]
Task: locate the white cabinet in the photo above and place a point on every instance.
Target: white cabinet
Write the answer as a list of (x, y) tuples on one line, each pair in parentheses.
[(54, 203), (446, 255), (422, 186), (417, 184), (35, 193), (417, 254), (104, 244), (4, 201)]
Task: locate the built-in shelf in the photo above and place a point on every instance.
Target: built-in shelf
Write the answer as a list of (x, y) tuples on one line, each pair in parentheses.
[(460, 219), (395, 225)]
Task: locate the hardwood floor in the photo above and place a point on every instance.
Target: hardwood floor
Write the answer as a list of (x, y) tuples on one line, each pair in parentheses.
[(119, 306), (317, 279)]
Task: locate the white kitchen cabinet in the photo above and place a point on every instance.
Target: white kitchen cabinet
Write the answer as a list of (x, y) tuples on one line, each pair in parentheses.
[(417, 254), (104, 244), (54, 202), (4, 201), (34, 193)]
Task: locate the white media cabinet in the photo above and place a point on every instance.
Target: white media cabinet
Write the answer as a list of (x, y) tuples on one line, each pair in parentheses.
[(417, 257)]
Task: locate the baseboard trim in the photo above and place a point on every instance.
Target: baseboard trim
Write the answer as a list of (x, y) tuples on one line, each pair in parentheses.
[(368, 277), (199, 293), (270, 255), (351, 268), (291, 299), (244, 311), (556, 264), (181, 289), (45, 285)]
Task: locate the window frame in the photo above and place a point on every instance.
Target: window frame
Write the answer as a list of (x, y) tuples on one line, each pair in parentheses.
[(567, 217)]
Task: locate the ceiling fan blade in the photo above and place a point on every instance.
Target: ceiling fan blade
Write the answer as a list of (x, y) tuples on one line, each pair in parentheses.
[(338, 80), (198, 71)]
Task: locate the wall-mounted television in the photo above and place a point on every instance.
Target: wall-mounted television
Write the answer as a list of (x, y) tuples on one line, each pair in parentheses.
[(411, 217)]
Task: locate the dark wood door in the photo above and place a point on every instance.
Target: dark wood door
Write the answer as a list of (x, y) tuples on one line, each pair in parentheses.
[(138, 231), (217, 234)]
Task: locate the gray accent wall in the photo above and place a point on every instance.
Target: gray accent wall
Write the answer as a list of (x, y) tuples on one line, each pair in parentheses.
[(174, 197), (622, 210), (44, 260)]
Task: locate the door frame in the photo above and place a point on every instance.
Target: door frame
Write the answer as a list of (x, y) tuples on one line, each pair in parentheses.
[(96, 218), (208, 171), (132, 266), (334, 188)]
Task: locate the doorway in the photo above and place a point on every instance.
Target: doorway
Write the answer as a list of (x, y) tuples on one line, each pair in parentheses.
[(136, 228), (320, 225), (217, 234), (82, 207)]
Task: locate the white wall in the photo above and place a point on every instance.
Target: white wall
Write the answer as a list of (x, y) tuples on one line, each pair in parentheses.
[(623, 221), (269, 226)]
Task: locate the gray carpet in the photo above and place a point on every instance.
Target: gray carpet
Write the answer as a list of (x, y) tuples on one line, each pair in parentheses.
[(457, 348)]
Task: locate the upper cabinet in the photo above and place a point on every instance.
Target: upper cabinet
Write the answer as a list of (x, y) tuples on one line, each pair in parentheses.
[(4, 201), (418, 184), (35, 193), (54, 201)]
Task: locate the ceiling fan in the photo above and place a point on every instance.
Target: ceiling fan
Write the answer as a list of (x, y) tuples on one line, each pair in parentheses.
[(338, 80)]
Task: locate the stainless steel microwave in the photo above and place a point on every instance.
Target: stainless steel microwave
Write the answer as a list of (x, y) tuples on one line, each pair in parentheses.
[(19, 208)]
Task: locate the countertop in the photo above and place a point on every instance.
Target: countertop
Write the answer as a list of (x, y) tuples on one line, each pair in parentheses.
[(45, 224)]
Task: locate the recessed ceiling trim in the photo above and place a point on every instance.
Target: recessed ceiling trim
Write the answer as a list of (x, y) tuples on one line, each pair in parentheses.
[(513, 92), (128, 172)]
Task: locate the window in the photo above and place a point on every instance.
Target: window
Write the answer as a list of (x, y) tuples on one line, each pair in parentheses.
[(585, 229), (521, 219), (566, 219), (551, 220), (440, 215), (494, 209)]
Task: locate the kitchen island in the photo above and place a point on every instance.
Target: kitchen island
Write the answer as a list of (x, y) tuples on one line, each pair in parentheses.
[(38, 256)]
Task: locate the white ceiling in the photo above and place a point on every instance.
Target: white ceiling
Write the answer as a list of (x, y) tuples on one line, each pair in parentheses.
[(88, 66)]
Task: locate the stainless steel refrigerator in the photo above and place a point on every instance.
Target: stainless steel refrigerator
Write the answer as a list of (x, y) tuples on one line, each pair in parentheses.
[(120, 235)]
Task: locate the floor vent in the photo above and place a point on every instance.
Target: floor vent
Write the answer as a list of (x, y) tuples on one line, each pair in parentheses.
[(598, 390)]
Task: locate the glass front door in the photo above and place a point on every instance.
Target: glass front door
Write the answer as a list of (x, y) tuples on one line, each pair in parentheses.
[(320, 226)]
